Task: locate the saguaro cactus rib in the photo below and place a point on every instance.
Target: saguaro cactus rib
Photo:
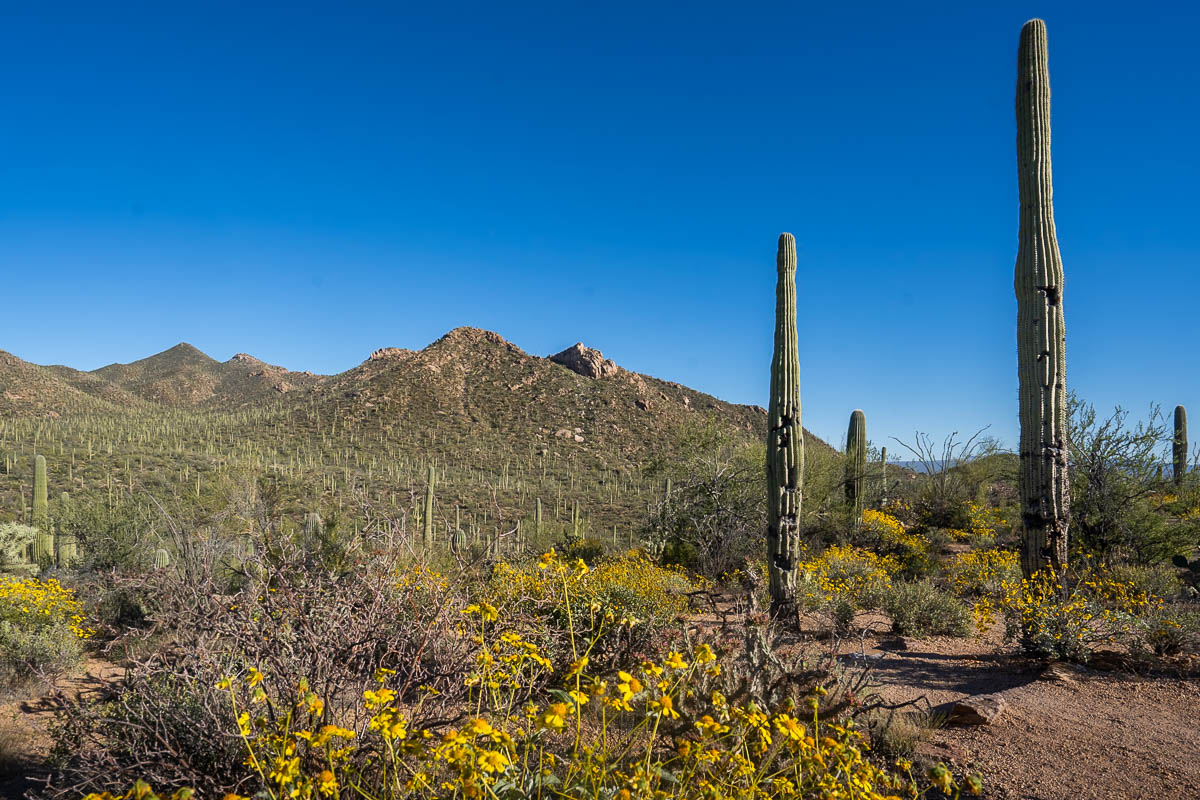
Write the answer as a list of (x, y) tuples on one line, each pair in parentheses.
[(785, 436), (1041, 327)]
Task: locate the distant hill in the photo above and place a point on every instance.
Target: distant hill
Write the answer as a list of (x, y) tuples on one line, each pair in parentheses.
[(502, 426)]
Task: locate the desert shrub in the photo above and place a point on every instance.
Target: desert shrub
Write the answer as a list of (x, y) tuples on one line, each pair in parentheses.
[(984, 520), (117, 536), (15, 540), (1167, 629), (590, 550), (672, 727), (1049, 620), (1118, 507), (294, 622), (852, 574), (550, 599), (922, 609), (897, 734), (983, 572), (42, 628), (1157, 580), (887, 535), (716, 513)]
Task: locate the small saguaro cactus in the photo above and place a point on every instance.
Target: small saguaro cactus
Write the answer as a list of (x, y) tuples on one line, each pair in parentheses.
[(785, 436), (459, 542), (162, 559), (537, 520), (856, 463), (1179, 445), (1041, 328), (427, 532), (312, 527)]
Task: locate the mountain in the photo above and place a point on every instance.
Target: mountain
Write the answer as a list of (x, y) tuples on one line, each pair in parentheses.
[(501, 427), (185, 377)]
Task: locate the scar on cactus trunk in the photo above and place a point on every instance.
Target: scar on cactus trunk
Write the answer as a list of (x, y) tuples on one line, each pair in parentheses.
[(785, 437), (1041, 328)]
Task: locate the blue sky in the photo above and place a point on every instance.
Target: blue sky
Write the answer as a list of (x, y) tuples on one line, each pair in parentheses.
[(309, 183)]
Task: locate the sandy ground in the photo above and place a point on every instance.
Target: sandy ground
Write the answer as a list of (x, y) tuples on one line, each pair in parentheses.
[(1087, 734), (24, 742)]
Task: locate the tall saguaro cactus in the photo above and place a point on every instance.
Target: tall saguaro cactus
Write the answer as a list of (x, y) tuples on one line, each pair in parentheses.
[(1179, 445), (856, 463), (1041, 328), (427, 532), (785, 436), (43, 544)]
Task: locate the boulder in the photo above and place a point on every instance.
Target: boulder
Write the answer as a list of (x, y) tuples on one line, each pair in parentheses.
[(981, 709)]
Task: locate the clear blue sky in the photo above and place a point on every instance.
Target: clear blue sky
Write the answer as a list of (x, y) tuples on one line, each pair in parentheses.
[(309, 183)]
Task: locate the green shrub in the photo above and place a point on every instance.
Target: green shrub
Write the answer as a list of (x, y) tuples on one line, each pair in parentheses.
[(590, 550), (41, 630), (1167, 629), (922, 609), (1158, 580), (31, 652)]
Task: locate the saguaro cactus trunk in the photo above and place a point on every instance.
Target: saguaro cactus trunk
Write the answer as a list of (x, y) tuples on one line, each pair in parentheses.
[(1041, 329), (856, 463), (785, 436), (1179, 445)]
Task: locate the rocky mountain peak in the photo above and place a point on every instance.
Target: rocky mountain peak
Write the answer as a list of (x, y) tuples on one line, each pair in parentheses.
[(586, 361)]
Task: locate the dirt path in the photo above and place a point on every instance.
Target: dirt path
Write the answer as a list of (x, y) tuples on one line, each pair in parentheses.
[(1086, 734), (24, 741)]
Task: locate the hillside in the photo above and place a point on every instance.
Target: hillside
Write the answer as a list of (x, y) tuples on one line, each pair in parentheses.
[(502, 428)]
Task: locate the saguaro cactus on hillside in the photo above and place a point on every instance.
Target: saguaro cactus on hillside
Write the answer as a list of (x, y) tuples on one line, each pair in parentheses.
[(1179, 445), (856, 462), (427, 531), (1041, 328), (785, 436)]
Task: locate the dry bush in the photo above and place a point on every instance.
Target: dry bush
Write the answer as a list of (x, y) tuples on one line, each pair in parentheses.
[(292, 619)]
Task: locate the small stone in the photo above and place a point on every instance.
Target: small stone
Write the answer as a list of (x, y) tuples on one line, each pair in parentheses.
[(982, 709), (1060, 672)]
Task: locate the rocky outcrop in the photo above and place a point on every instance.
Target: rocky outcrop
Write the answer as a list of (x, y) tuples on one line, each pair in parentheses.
[(586, 361), (389, 352)]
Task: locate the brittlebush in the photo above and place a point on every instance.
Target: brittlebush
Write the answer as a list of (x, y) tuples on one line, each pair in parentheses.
[(659, 729)]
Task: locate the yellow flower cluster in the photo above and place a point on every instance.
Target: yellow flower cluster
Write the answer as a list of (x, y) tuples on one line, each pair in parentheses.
[(661, 729), (985, 520), (631, 586), (1051, 621), (912, 549), (718, 749), (846, 573), (31, 601), (983, 572)]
